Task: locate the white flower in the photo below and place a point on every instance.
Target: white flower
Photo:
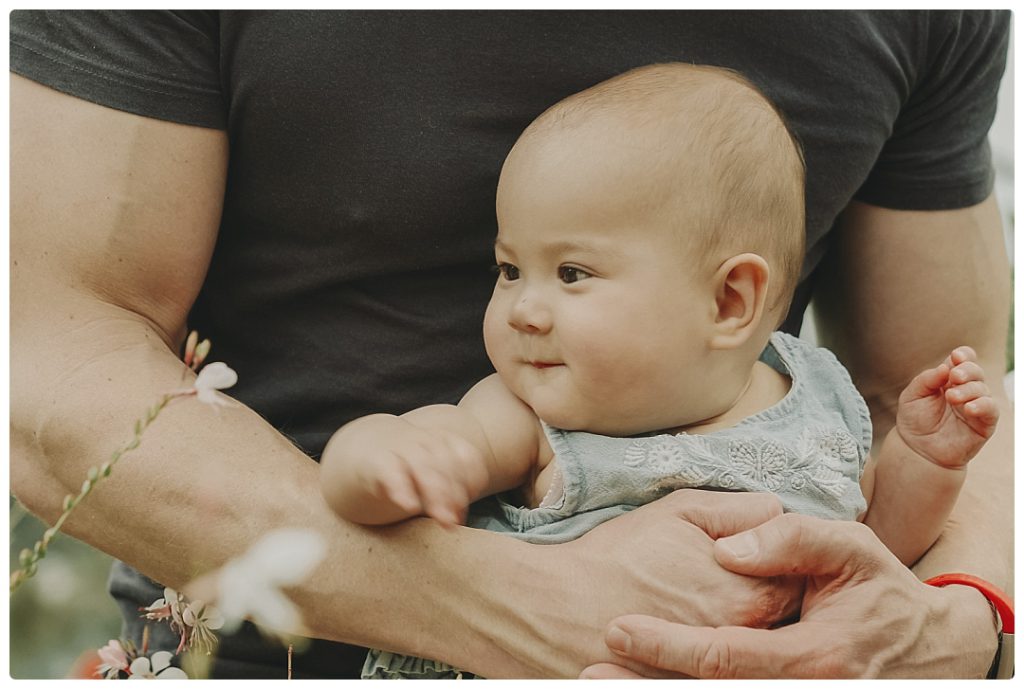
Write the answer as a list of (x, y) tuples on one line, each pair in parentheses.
[(214, 377), (250, 586), (168, 606), (202, 619), (160, 668)]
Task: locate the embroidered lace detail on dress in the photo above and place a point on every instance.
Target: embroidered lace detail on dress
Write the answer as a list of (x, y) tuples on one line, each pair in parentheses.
[(694, 461)]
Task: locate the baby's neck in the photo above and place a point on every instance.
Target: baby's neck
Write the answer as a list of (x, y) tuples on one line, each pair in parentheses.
[(764, 388)]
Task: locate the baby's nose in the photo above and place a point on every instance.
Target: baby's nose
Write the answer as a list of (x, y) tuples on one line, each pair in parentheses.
[(529, 315)]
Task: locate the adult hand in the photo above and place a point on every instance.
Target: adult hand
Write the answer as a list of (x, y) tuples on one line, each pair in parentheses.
[(647, 544), (656, 560), (863, 615)]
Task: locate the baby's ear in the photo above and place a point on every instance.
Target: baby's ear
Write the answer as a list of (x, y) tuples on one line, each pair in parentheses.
[(741, 291)]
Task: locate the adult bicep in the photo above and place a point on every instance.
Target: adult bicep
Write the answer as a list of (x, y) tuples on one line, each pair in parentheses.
[(900, 289), (109, 208), (113, 221)]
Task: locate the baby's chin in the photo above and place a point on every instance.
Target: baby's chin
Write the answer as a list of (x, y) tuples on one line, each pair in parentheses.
[(575, 419), (559, 416)]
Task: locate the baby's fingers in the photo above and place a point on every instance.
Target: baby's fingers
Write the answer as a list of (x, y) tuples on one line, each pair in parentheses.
[(927, 382), (962, 394), (982, 414), (397, 485), (443, 499), (960, 355), (966, 372)]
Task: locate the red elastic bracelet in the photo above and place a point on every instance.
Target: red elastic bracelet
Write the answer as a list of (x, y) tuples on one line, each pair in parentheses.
[(995, 595)]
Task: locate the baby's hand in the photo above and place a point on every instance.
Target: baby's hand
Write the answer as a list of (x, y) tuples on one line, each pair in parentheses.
[(433, 472), (946, 414)]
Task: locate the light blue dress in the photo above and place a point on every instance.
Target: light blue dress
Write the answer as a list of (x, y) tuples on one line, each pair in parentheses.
[(809, 449)]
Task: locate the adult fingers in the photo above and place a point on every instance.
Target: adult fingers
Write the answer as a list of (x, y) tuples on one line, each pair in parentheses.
[(798, 544), (711, 653), (723, 514)]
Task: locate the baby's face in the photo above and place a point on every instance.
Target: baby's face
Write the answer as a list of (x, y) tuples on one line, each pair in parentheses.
[(599, 320)]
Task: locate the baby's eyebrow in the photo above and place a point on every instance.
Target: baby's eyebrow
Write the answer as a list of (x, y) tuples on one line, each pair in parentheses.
[(581, 247), (604, 247)]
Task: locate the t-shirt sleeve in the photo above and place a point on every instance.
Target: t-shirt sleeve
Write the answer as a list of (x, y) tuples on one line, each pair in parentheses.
[(161, 64), (938, 155)]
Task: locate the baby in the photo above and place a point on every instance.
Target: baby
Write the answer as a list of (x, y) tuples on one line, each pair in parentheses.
[(651, 233)]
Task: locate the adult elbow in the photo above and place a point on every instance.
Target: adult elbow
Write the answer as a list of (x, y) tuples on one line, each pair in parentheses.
[(31, 485)]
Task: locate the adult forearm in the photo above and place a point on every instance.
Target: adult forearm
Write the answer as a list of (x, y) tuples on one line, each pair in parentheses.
[(203, 485), (77, 389), (978, 539), (470, 598)]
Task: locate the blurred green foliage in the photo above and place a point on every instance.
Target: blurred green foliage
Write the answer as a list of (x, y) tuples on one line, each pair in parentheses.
[(64, 610)]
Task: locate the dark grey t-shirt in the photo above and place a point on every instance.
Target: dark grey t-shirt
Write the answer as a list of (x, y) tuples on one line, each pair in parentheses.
[(353, 261)]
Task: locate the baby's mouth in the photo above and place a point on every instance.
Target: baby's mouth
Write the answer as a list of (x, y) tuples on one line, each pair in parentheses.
[(544, 364)]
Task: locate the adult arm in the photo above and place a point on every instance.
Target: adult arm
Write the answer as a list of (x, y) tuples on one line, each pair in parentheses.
[(901, 289), (113, 223)]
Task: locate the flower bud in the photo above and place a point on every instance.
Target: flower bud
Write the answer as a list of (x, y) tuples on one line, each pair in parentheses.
[(190, 347), (202, 350)]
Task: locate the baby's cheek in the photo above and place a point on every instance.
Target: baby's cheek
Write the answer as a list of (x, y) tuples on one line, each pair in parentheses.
[(495, 338), (611, 365)]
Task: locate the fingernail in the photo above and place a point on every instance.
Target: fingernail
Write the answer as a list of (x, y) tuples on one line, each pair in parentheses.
[(617, 639), (740, 546)]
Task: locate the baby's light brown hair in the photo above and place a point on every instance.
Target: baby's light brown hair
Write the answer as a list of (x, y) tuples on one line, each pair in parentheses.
[(720, 154)]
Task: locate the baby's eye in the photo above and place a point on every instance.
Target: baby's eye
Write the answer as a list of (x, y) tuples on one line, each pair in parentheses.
[(569, 274), (507, 271)]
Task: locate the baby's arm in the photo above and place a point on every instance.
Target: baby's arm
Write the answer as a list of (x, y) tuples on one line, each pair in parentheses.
[(434, 460), (944, 417)]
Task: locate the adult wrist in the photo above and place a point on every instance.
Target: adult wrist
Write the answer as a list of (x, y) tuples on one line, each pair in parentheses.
[(496, 629), (1002, 616)]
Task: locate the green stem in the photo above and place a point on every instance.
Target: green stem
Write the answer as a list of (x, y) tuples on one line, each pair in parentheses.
[(29, 559)]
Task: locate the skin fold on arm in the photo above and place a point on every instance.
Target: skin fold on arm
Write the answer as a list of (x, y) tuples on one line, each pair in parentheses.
[(113, 222)]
